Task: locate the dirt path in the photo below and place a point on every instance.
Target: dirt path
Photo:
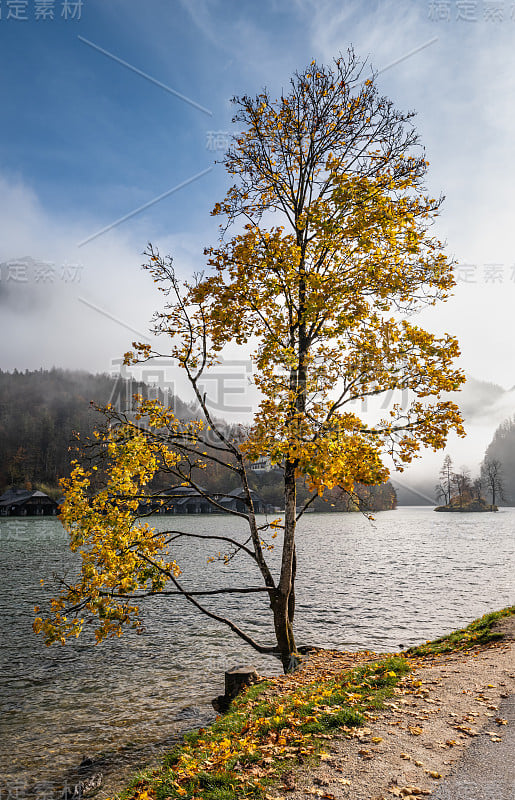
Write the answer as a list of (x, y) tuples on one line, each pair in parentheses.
[(438, 711)]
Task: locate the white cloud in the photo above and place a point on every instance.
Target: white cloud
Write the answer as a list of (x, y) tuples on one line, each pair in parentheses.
[(47, 315)]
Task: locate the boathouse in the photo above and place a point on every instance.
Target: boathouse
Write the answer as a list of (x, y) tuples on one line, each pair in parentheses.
[(16, 502)]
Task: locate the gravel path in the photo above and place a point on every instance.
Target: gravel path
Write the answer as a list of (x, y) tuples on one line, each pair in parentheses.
[(487, 770), (449, 717)]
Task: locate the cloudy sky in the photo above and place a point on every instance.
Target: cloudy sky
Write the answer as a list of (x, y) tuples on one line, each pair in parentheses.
[(114, 113)]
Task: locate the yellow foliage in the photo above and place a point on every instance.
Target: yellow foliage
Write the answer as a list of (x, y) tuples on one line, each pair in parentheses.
[(119, 553)]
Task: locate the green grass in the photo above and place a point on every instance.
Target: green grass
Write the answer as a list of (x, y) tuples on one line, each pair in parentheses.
[(265, 732), (478, 632)]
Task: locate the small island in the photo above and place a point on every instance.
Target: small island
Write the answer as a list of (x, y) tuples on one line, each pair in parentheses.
[(462, 494), (478, 504)]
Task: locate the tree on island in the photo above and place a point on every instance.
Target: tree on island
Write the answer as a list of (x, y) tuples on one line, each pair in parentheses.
[(491, 474), (330, 253), (462, 486), (443, 489), (461, 493)]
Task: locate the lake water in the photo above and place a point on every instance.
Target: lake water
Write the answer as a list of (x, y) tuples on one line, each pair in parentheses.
[(409, 576)]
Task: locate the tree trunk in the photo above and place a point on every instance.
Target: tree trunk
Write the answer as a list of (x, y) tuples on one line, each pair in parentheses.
[(284, 606), (284, 601), (291, 599), (284, 634)]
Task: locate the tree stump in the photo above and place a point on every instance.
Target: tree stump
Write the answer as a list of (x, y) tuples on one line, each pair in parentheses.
[(236, 679)]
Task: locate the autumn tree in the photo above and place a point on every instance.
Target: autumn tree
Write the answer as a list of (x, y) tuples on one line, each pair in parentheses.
[(325, 254), (461, 485)]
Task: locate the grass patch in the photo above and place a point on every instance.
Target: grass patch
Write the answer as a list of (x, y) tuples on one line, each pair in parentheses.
[(478, 632), (265, 732)]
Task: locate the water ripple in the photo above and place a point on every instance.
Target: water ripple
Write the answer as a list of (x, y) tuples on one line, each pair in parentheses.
[(410, 576)]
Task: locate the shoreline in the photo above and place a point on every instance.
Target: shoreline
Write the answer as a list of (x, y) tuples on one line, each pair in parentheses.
[(445, 702), (455, 688), (422, 735)]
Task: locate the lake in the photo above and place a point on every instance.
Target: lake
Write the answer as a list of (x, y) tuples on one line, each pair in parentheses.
[(408, 576)]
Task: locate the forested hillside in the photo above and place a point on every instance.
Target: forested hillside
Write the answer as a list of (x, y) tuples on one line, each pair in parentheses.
[(502, 448), (40, 410)]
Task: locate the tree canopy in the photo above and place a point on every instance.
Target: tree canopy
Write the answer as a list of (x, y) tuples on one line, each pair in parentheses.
[(324, 257)]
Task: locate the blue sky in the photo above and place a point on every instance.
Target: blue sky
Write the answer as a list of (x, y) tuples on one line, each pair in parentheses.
[(86, 141), (94, 139)]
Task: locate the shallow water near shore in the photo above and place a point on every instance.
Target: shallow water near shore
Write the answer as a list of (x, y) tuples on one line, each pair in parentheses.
[(409, 576)]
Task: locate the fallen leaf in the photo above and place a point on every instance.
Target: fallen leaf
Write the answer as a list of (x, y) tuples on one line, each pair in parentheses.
[(468, 731), (415, 730)]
